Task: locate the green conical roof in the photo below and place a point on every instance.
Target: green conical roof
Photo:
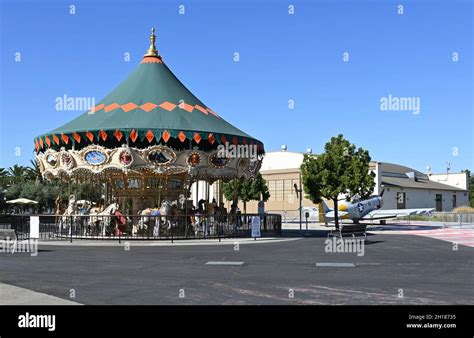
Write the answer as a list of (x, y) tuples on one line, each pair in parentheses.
[(150, 106)]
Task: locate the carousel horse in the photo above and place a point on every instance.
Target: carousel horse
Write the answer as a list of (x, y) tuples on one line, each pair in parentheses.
[(167, 211), (199, 223), (96, 210), (196, 223), (59, 210), (59, 206), (163, 216), (143, 221), (68, 218), (84, 207), (99, 219)]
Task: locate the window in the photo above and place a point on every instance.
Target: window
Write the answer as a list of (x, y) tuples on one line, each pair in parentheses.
[(279, 190), (454, 201), (174, 184), (134, 183), (152, 183), (119, 183), (271, 189), (288, 190)]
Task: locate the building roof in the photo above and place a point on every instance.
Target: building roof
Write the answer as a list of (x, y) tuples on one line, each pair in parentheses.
[(402, 176), (282, 160), (418, 184), (397, 170), (149, 106)]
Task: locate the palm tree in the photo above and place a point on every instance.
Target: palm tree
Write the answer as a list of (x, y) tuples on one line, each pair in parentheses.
[(3, 184), (17, 174), (3, 177), (34, 172)]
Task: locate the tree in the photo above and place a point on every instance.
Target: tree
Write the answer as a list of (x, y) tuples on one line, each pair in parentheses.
[(260, 188), (470, 182), (17, 174), (471, 191), (3, 185), (13, 192), (19, 181), (33, 172), (3, 177), (246, 190), (232, 190), (89, 190), (341, 169)]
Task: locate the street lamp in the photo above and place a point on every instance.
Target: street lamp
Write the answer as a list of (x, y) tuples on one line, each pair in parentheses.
[(299, 195)]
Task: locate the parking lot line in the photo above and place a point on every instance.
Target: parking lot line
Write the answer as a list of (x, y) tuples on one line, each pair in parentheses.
[(224, 263), (337, 265)]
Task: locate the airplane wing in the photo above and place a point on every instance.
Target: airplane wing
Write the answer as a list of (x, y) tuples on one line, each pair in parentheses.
[(381, 214), (340, 214)]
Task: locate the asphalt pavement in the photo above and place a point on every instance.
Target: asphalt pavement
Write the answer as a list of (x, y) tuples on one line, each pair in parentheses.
[(394, 269)]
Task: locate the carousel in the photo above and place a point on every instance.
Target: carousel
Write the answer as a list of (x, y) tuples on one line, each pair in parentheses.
[(145, 144)]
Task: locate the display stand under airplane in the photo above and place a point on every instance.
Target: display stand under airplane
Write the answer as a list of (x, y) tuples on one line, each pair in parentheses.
[(369, 210)]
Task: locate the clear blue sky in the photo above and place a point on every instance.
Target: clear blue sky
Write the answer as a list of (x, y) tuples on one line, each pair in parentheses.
[(282, 57)]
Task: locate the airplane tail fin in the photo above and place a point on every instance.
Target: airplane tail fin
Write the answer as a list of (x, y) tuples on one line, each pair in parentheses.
[(324, 206), (323, 209)]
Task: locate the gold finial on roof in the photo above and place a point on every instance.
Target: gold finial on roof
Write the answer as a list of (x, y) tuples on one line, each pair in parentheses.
[(152, 50)]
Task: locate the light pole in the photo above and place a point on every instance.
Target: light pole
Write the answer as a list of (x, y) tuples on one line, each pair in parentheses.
[(299, 195)]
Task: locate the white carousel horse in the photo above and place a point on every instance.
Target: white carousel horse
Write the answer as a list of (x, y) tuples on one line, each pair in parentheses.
[(167, 211), (83, 206), (198, 223), (102, 218), (163, 218), (67, 218), (143, 221)]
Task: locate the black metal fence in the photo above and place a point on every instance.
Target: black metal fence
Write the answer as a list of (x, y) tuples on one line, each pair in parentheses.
[(143, 227)]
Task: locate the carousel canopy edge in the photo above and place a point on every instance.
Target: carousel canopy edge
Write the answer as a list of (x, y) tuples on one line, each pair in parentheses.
[(140, 137)]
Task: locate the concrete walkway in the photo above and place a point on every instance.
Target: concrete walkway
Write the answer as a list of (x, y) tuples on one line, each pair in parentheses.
[(153, 243), (14, 295)]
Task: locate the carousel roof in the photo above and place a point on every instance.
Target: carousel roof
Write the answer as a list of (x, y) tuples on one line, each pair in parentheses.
[(150, 107)]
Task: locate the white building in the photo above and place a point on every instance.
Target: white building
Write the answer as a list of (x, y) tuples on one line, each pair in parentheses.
[(408, 188), (404, 187)]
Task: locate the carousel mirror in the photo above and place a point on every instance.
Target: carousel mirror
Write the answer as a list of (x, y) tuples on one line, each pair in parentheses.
[(160, 156), (95, 157), (52, 160), (218, 161)]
